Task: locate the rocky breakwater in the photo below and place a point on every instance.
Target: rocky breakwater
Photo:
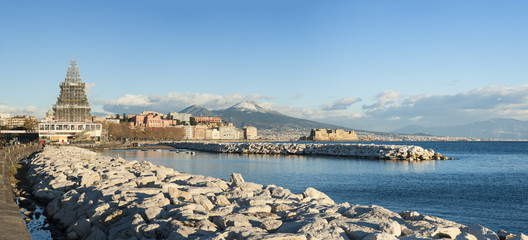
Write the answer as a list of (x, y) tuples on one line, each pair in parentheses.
[(370, 151), (95, 197)]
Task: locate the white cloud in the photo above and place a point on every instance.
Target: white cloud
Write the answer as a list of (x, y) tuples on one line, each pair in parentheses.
[(89, 86), (390, 109), (435, 110), (416, 118), (28, 110), (341, 104), (384, 99), (174, 102), (336, 116)]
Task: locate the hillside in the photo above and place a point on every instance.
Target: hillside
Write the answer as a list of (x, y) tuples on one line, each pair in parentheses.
[(498, 128), (249, 113)]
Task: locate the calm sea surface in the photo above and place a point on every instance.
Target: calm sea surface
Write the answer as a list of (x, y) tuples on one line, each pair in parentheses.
[(486, 184)]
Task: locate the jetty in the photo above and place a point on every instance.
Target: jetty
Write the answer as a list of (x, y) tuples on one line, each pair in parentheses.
[(96, 197), (348, 150)]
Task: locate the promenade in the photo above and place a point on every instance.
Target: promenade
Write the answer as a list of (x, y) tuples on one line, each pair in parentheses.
[(13, 226)]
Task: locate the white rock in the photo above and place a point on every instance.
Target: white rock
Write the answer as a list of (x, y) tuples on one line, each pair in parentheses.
[(236, 177), (236, 220), (271, 225), (204, 201), (220, 200), (465, 236), (176, 195), (315, 194), (391, 227), (481, 232), (449, 232), (519, 237), (380, 236)]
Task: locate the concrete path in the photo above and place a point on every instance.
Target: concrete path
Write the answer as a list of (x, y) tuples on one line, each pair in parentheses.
[(12, 226)]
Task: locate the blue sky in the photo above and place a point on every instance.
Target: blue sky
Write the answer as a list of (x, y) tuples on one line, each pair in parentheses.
[(373, 65)]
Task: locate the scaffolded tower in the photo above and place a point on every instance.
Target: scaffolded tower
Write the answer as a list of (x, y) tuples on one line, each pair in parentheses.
[(72, 104)]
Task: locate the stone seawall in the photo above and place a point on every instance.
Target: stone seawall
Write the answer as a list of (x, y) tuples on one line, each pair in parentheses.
[(96, 197), (370, 151)]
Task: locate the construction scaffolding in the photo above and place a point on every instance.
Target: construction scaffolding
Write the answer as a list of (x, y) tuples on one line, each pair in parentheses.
[(72, 104)]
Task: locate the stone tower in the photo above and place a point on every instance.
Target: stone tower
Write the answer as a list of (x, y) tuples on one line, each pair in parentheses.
[(72, 104)]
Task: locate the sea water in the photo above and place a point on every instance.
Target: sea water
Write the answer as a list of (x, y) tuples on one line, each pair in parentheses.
[(486, 183)]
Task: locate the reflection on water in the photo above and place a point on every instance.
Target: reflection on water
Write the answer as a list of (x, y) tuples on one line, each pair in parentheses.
[(222, 165)]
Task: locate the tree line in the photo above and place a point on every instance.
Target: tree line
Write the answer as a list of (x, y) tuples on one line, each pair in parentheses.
[(124, 132)]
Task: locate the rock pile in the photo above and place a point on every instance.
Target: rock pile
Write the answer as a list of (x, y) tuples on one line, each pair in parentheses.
[(95, 197), (370, 151)]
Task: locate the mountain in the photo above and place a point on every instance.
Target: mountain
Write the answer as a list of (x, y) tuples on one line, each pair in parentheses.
[(251, 106), (500, 128), (413, 129), (250, 113), (198, 111)]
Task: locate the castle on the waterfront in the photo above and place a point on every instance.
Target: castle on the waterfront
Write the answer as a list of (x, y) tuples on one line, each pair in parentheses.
[(332, 135)]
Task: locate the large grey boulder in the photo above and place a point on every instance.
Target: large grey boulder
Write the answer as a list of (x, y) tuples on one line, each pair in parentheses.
[(465, 236), (203, 201), (236, 178), (390, 227), (380, 236), (480, 232), (316, 194)]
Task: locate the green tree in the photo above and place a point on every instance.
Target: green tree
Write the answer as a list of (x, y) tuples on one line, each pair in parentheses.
[(193, 121)]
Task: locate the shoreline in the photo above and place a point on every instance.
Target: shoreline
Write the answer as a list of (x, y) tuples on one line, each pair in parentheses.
[(115, 198)]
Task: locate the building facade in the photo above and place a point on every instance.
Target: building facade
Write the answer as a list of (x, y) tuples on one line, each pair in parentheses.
[(150, 120), (65, 132), (250, 133), (208, 120), (181, 117), (3, 118)]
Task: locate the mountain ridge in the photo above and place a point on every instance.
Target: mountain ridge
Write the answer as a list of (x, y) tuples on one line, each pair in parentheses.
[(250, 113), (495, 128)]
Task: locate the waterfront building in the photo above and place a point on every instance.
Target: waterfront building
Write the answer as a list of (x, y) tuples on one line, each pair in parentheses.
[(72, 104), (105, 120), (208, 120), (150, 120), (67, 131), (229, 132), (3, 118), (188, 132), (19, 121), (182, 117), (250, 133), (212, 134)]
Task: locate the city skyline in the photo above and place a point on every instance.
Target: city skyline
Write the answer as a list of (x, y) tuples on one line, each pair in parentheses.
[(364, 65)]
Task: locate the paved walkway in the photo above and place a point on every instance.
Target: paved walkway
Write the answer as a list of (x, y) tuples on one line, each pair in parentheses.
[(12, 226)]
